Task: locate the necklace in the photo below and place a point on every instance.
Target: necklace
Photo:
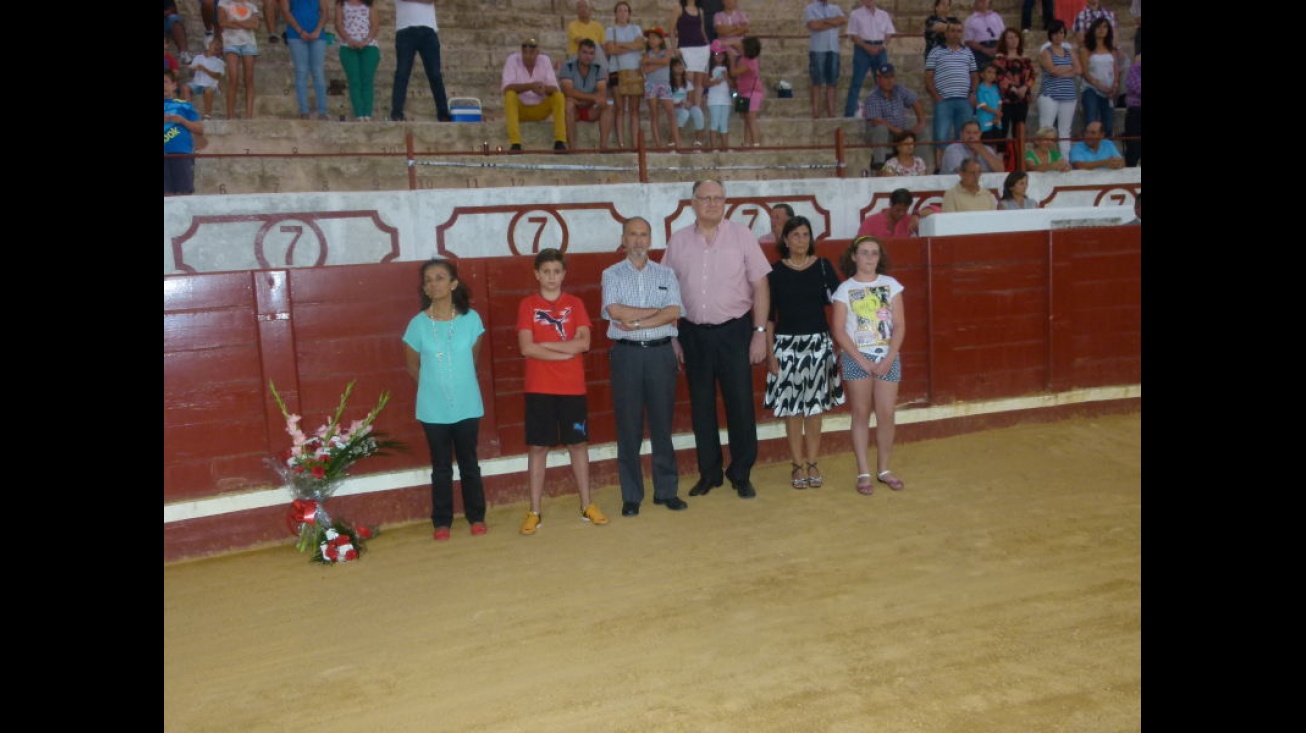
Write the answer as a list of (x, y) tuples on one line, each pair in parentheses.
[(800, 266), (443, 352)]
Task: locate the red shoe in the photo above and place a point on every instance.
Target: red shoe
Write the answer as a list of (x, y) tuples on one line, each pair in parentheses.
[(442, 534), (479, 528)]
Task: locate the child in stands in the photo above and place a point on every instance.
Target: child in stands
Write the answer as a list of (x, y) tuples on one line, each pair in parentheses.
[(686, 110), (239, 20), (657, 86), (181, 125), (988, 107), (718, 97), (208, 68), (747, 74)]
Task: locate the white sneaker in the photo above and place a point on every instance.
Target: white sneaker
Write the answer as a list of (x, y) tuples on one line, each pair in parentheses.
[(185, 58), (208, 38)]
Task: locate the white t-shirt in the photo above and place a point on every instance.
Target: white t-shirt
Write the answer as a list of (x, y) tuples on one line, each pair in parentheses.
[(239, 10), (205, 64), (870, 319), (408, 14), (719, 94)]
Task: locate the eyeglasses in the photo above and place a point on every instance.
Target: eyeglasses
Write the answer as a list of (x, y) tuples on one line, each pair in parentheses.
[(711, 199)]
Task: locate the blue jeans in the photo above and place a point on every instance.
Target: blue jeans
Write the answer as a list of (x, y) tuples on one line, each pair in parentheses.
[(862, 63), (410, 42), (949, 115), (309, 57), (1098, 108)]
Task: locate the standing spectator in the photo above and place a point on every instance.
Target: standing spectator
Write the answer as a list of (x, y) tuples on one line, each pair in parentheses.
[(906, 162), (1092, 10), (780, 213), (625, 48), (982, 30), (893, 222), (968, 194), (1094, 151), (718, 97), (689, 29), (723, 285), (1097, 58), (181, 125), (441, 347), (951, 77), (584, 84), (530, 93), (174, 29), (710, 9), (802, 381), (1046, 7), (823, 20), (731, 25), (988, 104), (417, 33), (1136, 10), (748, 83), (1056, 93), (870, 325), (869, 29), (1016, 81), (271, 9), (936, 26), (209, 17), (1134, 113), (240, 20), (1044, 155), (657, 87), (356, 29), (585, 26), (685, 111), (641, 300), (305, 21), (886, 113), (1014, 191), (208, 68), (553, 330)]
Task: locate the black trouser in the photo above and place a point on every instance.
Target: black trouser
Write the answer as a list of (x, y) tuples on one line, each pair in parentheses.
[(447, 441), (719, 355)]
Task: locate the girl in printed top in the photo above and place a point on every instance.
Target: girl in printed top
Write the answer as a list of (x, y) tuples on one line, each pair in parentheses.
[(657, 86), (718, 97)]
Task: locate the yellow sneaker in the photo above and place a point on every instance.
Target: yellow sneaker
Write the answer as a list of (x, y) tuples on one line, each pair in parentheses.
[(593, 515), (531, 523)]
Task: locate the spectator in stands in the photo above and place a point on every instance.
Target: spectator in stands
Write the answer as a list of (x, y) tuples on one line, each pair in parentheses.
[(1013, 193), (531, 93), (181, 126), (417, 33), (657, 87), (710, 9), (585, 26), (968, 194), (951, 77), (625, 49), (906, 162), (802, 380), (982, 30), (306, 21), (869, 29), (1016, 81), (988, 105), (1097, 58), (718, 97), (1094, 151), (885, 111), (689, 31), (1136, 10), (584, 84), (1044, 155), (686, 112), (1092, 11), (894, 221), (1134, 113), (973, 148), (240, 22), (356, 28), (169, 61), (936, 26), (209, 17), (174, 28), (780, 213), (747, 73), (1056, 95), (1047, 7), (271, 8), (731, 25), (207, 70), (823, 20)]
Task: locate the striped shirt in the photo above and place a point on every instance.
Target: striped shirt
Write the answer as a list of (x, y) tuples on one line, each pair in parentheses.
[(655, 286), (952, 70), (1060, 88)]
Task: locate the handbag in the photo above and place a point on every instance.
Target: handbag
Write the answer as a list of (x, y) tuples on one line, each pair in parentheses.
[(744, 103), (630, 82)]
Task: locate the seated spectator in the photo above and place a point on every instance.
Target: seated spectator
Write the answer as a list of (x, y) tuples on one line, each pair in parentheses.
[(1044, 153), (584, 83), (780, 213), (1013, 193), (169, 61), (906, 162), (970, 148), (1094, 151), (885, 111), (895, 221), (968, 194), (531, 93), (207, 69), (175, 29)]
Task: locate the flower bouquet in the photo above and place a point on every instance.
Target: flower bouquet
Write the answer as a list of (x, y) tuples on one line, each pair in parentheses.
[(315, 466)]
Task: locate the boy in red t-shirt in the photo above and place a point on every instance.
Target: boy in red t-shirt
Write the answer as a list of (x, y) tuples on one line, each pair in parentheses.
[(553, 330)]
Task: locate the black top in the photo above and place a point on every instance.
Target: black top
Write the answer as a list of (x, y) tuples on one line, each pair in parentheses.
[(799, 297)]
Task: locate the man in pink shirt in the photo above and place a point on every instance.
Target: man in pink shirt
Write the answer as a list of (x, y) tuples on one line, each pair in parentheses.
[(982, 30), (530, 93), (893, 221), (722, 274)]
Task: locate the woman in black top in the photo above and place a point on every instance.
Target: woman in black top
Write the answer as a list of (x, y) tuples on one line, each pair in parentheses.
[(802, 380)]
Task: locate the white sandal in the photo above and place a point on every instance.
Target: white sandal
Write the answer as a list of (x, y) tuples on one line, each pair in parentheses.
[(892, 482)]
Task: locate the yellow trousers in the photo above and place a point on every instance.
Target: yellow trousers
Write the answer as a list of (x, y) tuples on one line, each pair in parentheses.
[(555, 104)]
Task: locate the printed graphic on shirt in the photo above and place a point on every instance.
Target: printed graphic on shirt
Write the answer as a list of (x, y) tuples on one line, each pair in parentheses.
[(873, 324), (558, 322)]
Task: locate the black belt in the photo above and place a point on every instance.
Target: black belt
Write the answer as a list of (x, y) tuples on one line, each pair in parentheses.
[(710, 326), (988, 44), (644, 344)]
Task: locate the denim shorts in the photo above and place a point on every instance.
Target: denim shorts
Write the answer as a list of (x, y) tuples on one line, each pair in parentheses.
[(244, 49), (852, 371), (823, 67)]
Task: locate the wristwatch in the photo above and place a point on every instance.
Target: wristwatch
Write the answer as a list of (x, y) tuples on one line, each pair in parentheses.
[(760, 329)]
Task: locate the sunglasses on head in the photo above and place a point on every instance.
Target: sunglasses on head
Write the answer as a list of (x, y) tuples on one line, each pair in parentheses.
[(529, 45)]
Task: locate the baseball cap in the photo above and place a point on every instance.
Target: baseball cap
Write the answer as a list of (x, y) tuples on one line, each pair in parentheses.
[(886, 69), (718, 46), (658, 30)]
